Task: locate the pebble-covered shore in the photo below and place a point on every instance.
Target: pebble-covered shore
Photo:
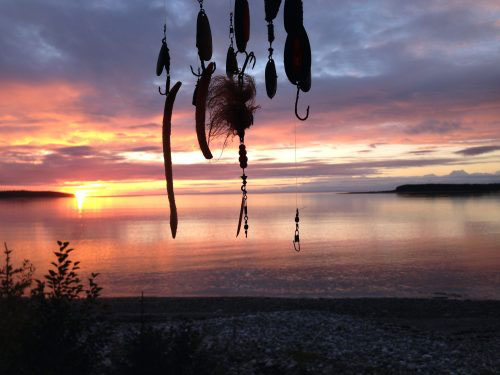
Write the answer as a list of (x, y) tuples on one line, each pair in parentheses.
[(326, 343), (359, 336)]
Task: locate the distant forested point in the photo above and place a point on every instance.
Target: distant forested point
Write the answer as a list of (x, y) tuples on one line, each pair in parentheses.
[(448, 189), (11, 194)]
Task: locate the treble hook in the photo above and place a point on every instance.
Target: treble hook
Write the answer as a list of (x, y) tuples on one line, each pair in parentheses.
[(203, 68), (296, 104), (296, 238), (250, 58)]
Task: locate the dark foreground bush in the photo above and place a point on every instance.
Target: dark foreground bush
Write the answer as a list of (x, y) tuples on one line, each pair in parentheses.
[(150, 350), (60, 329), (57, 330)]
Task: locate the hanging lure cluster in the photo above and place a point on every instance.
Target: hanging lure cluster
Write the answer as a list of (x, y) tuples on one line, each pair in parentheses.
[(164, 63), (230, 98)]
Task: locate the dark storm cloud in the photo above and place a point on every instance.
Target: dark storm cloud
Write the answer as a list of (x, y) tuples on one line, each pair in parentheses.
[(472, 151)]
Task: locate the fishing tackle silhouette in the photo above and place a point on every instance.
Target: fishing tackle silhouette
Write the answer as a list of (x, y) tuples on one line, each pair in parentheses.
[(296, 238), (230, 98), (162, 63), (201, 102), (167, 154), (272, 8), (204, 75), (297, 55), (231, 61)]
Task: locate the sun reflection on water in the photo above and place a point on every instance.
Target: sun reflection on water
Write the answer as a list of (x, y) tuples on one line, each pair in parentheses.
[(80, 196)]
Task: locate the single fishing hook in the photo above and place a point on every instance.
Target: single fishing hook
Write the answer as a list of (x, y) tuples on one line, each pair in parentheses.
[(167, 87), (296, 105)]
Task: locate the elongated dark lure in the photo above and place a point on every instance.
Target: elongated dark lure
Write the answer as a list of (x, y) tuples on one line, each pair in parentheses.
[(297, 56), (201, 103), (167, 155), (163, 63)]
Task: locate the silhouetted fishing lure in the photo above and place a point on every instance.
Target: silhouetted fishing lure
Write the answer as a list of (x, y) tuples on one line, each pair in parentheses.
[(271, 78), (242, 24), (231, 103), (231, 61), (201, 103), (203, 36), (298, 59), (167, 154), (293, 15), (296, 237), (163, 62), (241, 32), (271, 7), (203, 44), (297, 56)]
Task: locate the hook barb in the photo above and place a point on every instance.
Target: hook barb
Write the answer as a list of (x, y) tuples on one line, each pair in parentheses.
[(195, 74), (296, 105)]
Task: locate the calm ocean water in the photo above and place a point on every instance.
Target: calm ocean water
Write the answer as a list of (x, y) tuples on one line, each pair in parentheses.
[(352, 245)]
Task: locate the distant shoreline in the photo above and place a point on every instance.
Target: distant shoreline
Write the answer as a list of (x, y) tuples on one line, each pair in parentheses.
[(440, 190), (28, 194)]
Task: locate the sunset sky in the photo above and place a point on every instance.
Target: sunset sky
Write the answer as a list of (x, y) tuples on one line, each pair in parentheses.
[(402, 91)]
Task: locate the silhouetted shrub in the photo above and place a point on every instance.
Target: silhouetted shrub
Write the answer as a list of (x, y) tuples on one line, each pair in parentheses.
[(14, 314), (57, 331), (178, 350), (14, 281)]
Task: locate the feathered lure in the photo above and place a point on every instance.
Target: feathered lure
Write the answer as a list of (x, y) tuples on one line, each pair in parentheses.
[(231, 103)]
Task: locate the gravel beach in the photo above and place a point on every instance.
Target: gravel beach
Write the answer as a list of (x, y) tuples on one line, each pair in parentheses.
[(329, 336)]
